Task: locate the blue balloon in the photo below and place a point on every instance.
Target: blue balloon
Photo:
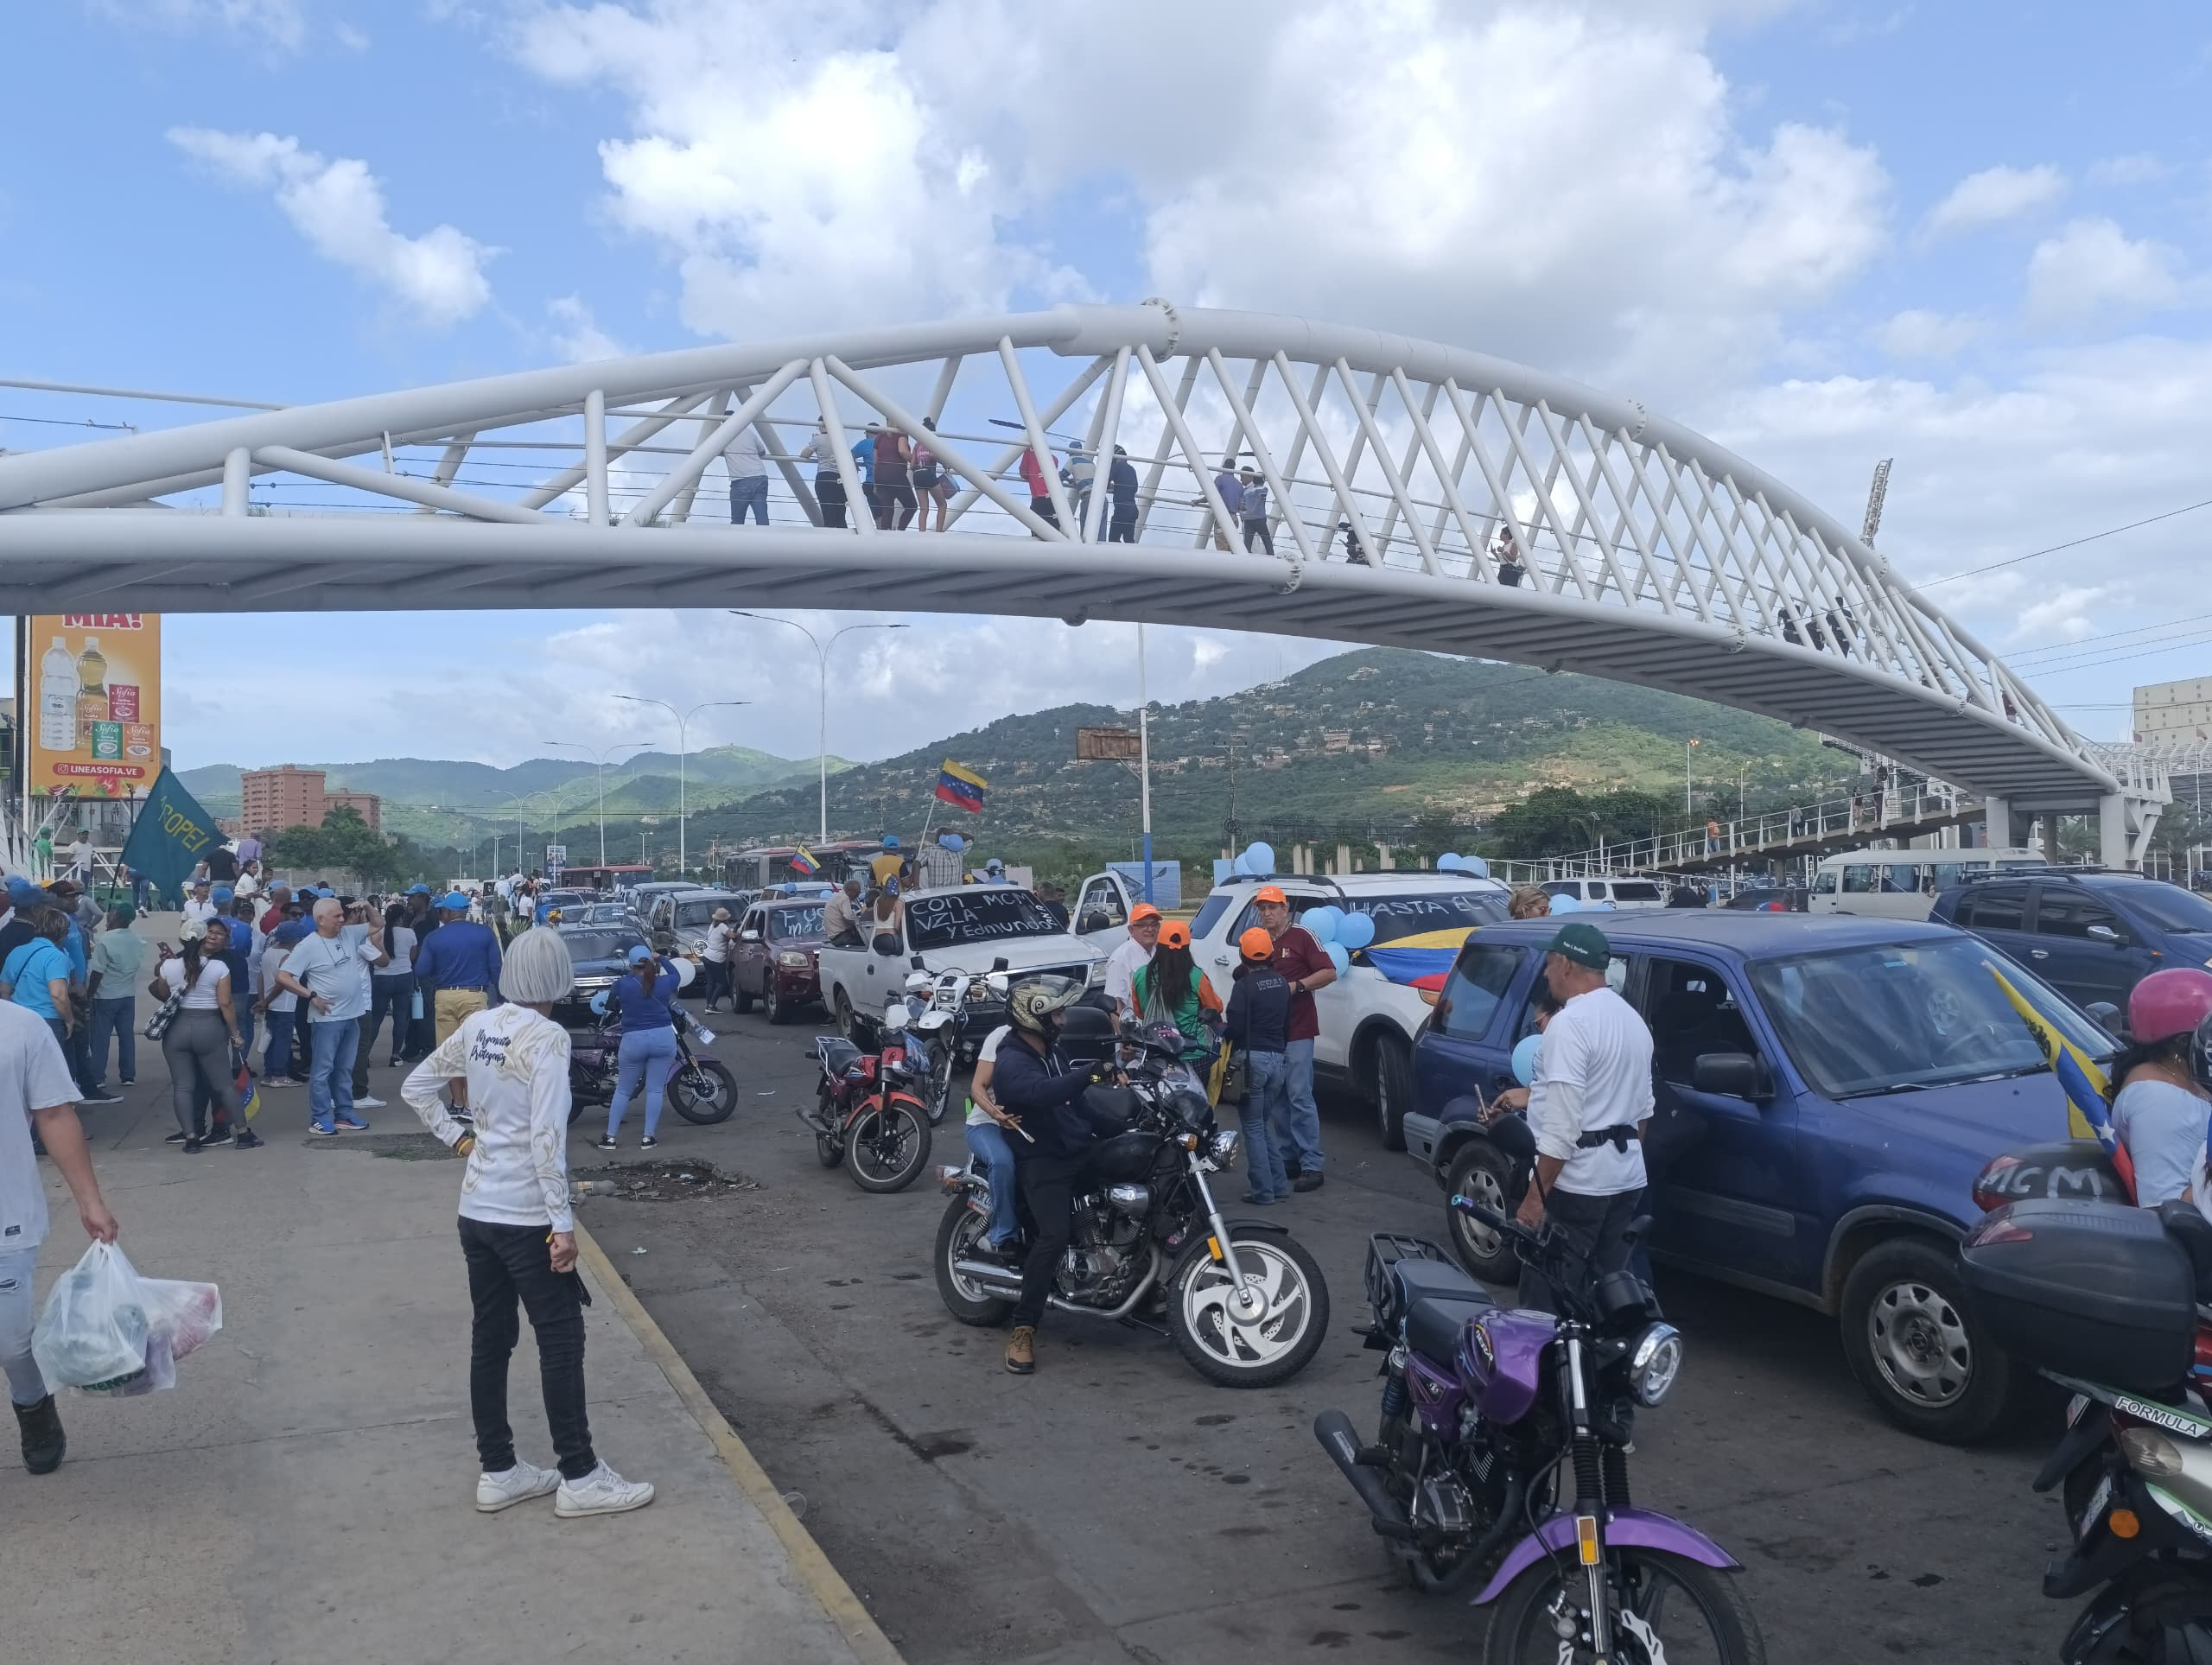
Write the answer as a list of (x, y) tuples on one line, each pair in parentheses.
[(1448, 862), (1337, 957), (1355, 931), (1243, 865), (1566, 905), (1261, 856), (1474, 865), (1524, 1059), (599, 1002), (1321, 923)]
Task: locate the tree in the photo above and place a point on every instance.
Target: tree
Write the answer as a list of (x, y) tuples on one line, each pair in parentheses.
[(344, 842), (1558, 820)]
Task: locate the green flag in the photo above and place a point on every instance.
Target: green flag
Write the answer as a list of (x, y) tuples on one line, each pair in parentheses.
[(171, 836)]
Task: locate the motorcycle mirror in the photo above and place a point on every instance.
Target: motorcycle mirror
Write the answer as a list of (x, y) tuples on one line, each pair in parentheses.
[(916, 962)]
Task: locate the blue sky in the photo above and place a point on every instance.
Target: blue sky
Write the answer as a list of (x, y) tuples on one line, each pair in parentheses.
[(1972, 236)]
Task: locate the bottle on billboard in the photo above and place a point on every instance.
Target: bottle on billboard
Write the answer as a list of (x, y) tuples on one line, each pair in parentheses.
[(91, 691), (57, 699)]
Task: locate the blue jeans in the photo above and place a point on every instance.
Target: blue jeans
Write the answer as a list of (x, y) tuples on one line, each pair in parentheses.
[(120, 1017), (278, 1065), (988, 1140), (647, 1055), (1267, 1085), (1297, 1122), (331, 1046), (395, 993), (748, 495), (141, 891)]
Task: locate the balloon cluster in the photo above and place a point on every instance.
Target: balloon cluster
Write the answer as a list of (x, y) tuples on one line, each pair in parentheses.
[(1257, 861), (1452, 862), (1339, 933)]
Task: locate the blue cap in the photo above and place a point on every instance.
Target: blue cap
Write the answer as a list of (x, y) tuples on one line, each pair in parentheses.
[(454, 900), (223, 893), (21, 890), (418, 890), (891, 841), (640, 954)]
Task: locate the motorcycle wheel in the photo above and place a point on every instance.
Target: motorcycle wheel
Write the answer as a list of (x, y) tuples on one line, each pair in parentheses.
[(705, 1092), (828, 1151), (887, 1146), (1666, 1606), (1257, 1355), (940, 1084), (960, 1230)]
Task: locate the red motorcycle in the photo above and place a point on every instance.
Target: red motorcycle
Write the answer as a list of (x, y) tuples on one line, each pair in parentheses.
[(869, 1112)]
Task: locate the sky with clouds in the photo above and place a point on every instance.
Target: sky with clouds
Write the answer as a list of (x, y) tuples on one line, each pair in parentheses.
[(1974, 237)]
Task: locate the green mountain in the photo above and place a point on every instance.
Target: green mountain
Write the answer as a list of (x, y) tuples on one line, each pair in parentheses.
[(1356, 746)]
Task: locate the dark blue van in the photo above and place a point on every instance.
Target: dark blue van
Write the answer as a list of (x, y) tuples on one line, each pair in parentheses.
[(1826, 1089), (2092, 936)]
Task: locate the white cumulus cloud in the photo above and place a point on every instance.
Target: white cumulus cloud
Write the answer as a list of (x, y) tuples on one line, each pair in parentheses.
[(2093, 264), (1993, 196), (577, 333), (337, 206), (1916, 333), (281, 23)]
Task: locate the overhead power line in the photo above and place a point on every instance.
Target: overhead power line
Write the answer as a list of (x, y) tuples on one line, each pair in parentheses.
[(2071, 543)]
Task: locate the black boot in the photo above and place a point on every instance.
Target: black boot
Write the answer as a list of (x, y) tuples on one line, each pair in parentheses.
[(43, 1441)]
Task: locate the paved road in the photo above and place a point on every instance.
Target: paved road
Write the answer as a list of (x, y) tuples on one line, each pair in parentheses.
[(1116, 1507)]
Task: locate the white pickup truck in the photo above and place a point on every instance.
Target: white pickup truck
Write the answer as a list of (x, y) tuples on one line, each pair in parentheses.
[(1369, 1015), (969, 928)]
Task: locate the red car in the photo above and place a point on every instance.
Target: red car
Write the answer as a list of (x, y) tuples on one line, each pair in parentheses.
[(772, 960)]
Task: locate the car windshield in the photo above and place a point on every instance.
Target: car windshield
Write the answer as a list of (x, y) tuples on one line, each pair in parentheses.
[(701, 911), (1402, 916), (600, 944), (785, 922), (1902, 1015), (2168, 907), (983, 913)]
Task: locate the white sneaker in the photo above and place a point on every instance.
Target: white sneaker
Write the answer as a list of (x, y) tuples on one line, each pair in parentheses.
[(518, 1485), (365, 1101), (600, 1493)]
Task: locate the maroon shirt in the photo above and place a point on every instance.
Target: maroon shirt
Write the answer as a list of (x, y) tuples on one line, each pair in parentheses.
[(1297, 955)]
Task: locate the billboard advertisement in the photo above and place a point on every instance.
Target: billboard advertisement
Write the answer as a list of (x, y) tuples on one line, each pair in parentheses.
[(93, 703)]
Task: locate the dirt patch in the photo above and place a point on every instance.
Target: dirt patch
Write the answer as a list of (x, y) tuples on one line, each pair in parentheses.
[(400, 1146), (658, 1182)]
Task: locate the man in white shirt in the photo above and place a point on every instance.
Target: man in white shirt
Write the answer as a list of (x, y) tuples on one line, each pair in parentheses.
[(1587, 1107), (1122, 965), (747, 460), (35, 1093), (329, 971), (200, 904), (81, 859)]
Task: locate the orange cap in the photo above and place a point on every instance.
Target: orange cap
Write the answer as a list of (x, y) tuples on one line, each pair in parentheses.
[(1174, 934), (1142, 911), (1257, 944), (1270, 893)]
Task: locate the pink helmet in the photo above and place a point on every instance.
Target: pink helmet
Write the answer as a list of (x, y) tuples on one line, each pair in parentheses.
[(2168, 1003)]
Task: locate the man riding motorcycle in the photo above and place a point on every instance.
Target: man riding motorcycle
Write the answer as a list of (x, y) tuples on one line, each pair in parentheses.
[(1037, 1088)]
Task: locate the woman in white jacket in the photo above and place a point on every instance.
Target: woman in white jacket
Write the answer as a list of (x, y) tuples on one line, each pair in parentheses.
[(517, 1233)]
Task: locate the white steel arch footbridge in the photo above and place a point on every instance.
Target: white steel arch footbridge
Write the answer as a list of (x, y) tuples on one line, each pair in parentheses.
[(1500, 511)]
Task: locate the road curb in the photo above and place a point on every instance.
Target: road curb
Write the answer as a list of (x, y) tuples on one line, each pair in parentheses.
[(827, 1585)]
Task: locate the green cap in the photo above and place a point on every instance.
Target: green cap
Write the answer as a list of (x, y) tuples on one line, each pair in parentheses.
[(1582, 942)]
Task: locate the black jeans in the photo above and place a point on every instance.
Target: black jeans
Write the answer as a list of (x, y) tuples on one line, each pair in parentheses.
[(830, 493), (1122, 525), (1048, 1188), (1596, 1226), (505, 1262), (1261, 531)]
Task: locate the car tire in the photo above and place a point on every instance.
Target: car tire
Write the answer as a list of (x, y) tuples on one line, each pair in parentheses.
[(848, 1024), (1393, 1090), (1916, 1346), (1482, 1171), (772, 1006), (741, 998)]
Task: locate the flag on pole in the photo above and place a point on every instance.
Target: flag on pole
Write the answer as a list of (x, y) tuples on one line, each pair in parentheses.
[(803, 862), (961, 786), (2084, 1083)]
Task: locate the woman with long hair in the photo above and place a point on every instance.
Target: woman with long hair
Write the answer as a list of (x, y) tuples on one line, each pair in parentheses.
[(2158, 1112), (517, 1235), (646, 1000), (1170, 989), (201, 1038), (391, 986), (932, 481)]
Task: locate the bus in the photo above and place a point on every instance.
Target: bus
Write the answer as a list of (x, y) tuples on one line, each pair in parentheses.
[(1903, 884)]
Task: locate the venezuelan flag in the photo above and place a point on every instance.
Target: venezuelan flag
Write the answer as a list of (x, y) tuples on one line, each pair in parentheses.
[(802, 860), (2085, 1085), (1423, 960), (961, 786)]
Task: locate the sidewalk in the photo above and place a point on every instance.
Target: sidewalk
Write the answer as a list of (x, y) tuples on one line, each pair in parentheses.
[(305, 1491)]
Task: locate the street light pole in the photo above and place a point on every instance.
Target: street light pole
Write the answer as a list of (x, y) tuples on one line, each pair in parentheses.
[(682, 753), (1687, 747), (599, 763), (1144, 762), (822, 665)]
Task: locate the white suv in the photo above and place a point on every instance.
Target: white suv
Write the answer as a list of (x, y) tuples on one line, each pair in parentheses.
[(1368, 1020)]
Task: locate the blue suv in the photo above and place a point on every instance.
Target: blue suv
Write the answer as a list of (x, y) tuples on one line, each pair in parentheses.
[(1826, 1089), (2092, 936)]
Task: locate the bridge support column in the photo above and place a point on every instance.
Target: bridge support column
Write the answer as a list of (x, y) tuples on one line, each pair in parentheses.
[(1999, 825), (2125, 824)]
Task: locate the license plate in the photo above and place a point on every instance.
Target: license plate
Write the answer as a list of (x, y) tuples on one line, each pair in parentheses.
[(2074, 1406), (2096, 1511)]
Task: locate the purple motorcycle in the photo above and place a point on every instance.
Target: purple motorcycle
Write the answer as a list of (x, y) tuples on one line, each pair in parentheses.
[(1503, 1454)]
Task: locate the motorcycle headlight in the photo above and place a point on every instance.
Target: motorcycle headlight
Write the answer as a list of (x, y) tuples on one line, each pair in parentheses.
[(2149, 1452), (1656, 1363), (792, 959), (1221, 1150)]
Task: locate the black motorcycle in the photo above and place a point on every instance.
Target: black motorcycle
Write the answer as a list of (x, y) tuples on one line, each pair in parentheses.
[(1244, 1303), (1501, 1451), (702, 1089)]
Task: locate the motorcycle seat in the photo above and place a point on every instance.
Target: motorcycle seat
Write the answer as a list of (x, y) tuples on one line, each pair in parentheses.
[(838, 1053), (2188, 1228), (1421, 1279), (1435, 1323)]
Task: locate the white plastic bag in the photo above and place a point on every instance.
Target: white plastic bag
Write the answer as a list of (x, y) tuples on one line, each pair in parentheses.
[(92, 1331), (183, 1314)]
